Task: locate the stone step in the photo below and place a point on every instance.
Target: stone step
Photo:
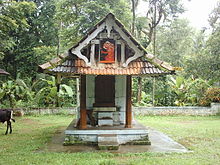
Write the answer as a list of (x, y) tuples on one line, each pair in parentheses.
[(105, 122), (108, 142), (105, 115), (108, 145), (107, 137)]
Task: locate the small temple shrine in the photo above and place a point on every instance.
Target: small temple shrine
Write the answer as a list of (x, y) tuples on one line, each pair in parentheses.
[(105, 61)]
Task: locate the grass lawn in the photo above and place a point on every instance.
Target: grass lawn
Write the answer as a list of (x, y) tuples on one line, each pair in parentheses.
[(199, 134)]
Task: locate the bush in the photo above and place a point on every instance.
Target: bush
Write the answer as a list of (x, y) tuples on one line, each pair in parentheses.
[(211, 95)]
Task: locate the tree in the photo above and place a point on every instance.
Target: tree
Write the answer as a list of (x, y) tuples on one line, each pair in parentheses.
[(213, 45), (198, 58), (203, 62), (157, 10), (214, 19), (134, 4), (175, 42), (40, 37), (213, 52), (27, 26), (76, 17), (13, 23)]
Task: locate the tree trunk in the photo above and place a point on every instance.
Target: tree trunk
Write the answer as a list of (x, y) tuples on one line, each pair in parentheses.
[(139, 90), (11, 101), (58, 81), (133, 14), (134, 5), (58, 37)]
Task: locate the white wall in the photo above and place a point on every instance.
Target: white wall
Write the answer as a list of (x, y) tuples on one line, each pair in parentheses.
[(120, 96)]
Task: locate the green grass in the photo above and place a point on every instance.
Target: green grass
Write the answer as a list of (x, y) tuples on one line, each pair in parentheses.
[(199, 134)]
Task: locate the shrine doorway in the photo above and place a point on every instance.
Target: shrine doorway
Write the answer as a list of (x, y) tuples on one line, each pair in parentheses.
[(104, 91)]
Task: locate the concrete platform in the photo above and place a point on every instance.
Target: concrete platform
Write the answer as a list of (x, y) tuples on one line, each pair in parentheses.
[(138, 134), (160, 142)]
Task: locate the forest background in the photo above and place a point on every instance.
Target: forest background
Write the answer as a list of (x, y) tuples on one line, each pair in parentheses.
[(33, 32)]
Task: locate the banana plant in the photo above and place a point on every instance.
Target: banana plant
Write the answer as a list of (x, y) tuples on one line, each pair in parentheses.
[(179, 85), (196, 90), (13, 91), (188, 91), (48, 95)]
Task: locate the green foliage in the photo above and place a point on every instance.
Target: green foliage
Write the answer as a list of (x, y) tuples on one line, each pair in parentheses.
[(13, 18), (213, 52), (197, 58), (33, 32), (48, 94), (38, 55), (203, 61), (196, 90), (180, 85), (211, 95), (33, 29), (170, 91), (43, 54), (145, 100), (174, 42), (158, 11), (214, 18), (164, 94), (40, 93), (14, 91), (194, 51), (13, 24), (44, 29), (188, 91), (76, 17)]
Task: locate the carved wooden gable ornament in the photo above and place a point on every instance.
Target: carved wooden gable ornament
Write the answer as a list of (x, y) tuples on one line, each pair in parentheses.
[(108, 42), (107, 49)]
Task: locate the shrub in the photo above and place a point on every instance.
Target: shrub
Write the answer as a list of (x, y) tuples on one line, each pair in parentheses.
[(211, 95)]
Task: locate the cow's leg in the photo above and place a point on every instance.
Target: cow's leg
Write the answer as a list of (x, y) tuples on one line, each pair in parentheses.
[(10, 127), (7, 128)]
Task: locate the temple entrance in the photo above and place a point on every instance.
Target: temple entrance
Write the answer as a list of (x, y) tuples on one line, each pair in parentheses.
[(104, 91)]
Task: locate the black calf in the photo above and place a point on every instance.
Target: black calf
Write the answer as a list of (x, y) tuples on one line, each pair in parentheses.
[(6, 116)]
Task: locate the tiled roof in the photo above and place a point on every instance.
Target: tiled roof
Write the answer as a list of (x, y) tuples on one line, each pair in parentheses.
[(137, 67)]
